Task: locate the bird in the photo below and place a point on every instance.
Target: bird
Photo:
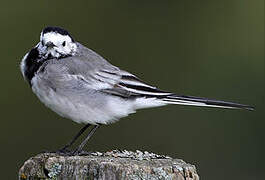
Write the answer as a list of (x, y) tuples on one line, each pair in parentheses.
[(79, 84)]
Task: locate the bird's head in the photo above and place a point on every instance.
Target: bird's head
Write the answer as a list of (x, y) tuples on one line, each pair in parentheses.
[(56, 42)]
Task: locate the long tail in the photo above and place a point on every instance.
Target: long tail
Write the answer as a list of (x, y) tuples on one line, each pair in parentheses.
[(198, 101), (131, 86)]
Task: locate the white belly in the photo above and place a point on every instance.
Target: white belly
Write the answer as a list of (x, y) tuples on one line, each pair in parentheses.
[(94, 112)]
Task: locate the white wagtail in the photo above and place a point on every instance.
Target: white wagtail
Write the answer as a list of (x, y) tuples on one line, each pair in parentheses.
[(79, 84)]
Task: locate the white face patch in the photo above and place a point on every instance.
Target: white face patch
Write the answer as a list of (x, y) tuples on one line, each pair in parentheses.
[(63, 45)]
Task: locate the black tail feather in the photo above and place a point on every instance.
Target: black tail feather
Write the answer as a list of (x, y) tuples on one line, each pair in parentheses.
[(198, 101)]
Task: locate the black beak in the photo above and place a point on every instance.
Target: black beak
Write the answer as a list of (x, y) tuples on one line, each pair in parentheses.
[(50, 44)]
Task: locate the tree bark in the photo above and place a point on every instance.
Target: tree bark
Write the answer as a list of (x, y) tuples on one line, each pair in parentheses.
[(110, 166)]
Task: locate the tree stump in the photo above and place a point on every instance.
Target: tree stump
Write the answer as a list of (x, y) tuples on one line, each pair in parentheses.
[(111, 165)]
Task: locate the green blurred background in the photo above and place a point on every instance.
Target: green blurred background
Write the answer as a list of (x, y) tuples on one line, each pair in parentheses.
[(210, 48)]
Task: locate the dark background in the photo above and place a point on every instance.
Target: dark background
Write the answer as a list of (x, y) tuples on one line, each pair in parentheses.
[(210, 48)]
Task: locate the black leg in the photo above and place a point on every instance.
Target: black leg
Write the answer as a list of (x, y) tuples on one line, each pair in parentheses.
[(80, 147), (75, 138)]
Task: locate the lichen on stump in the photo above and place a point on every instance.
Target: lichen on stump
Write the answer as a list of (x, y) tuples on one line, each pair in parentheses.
[(110, 166)]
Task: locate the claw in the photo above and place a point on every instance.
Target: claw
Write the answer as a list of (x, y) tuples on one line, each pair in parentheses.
[(80, 153), (67, 152)]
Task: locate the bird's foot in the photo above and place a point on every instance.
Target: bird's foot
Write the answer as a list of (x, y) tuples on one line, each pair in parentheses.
[(80, 153), (67, 152), (62, 152)]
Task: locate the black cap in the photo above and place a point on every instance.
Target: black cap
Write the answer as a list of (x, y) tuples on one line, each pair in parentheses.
[(57, 30)]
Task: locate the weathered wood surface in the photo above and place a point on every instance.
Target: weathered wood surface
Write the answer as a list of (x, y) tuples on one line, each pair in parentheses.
[(110, 166)]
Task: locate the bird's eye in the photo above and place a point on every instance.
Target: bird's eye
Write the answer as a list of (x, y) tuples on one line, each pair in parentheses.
[(64, 43)]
